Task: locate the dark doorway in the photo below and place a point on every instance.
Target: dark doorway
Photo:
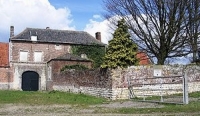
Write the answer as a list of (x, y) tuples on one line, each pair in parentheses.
[(30, 81)]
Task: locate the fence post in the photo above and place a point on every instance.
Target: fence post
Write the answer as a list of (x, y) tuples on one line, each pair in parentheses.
[(185, 87)]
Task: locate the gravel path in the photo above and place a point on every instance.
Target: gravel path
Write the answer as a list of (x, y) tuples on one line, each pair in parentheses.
[(68, 110), (130, 104)]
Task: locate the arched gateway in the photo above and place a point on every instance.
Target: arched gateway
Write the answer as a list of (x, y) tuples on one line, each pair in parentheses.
[(30, 81)]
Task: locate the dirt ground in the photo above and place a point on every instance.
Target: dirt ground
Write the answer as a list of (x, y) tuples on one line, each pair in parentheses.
[(68, 110)]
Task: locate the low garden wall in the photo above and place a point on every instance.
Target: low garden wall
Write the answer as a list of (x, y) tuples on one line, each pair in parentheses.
[(113, 84), (92, 82), (120, 80)]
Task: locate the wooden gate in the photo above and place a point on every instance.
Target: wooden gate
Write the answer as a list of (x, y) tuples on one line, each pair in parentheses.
[(30, 81)]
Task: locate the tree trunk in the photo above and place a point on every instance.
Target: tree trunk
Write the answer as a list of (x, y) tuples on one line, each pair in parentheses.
[(161, 61)]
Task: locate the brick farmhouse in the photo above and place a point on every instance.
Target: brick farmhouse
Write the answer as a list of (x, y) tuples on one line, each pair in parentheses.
[(30, 58), (34, 53)]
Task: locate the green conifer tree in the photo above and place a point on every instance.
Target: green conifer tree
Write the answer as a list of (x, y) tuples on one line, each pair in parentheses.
[(121, 51)]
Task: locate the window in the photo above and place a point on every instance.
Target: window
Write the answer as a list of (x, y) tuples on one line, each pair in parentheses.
[(23, 56), (37, 56), (33, 38)]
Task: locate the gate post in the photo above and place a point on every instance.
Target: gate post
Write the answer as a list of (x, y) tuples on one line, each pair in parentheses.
[(185, 87)]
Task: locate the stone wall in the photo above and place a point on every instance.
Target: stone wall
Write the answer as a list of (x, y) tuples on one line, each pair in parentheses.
[(124, 93), (113, 84), (6, 78), (136, 74), (20, 68)]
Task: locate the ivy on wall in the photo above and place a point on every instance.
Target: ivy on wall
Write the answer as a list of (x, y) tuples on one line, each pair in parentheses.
[(76, 67), (93, 52)]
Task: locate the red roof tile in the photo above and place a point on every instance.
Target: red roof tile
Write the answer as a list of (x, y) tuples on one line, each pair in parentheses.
[(143, 58), (4, 54)]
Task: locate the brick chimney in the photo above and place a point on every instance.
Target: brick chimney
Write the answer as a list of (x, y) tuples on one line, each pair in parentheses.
[(98, 36), (11, 31)]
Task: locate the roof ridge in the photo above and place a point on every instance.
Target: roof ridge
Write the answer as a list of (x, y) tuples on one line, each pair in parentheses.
[(56, 29), (57, 35)]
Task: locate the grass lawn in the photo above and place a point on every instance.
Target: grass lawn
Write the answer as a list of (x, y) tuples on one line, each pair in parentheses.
[(56, 97), (193, 106), (46, 98), (168, 108)]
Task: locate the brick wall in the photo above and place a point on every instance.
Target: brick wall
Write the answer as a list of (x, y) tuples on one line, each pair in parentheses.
[(4, 54), (93, 82), (6, 78), (49, 50), (114, 83), (6, 75)]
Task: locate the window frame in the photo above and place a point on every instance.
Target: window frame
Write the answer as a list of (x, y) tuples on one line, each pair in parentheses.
[(35, 58), (21, 56)]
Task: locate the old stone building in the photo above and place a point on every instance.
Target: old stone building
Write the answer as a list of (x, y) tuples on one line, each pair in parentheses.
[(35, 53), (32, 58)]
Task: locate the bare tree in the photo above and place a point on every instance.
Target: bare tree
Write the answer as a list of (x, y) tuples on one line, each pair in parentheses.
[(158, 26), (193, 27)]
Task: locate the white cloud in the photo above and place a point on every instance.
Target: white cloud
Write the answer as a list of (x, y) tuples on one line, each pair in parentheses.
[(97, 16), (99, 26), (31, 13)]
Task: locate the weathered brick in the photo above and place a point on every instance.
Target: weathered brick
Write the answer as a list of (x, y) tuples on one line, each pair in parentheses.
[(4, 54), (6, 75), (48, 49)]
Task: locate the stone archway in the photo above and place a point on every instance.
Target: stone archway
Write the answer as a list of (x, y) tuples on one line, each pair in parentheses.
[(30, 81)]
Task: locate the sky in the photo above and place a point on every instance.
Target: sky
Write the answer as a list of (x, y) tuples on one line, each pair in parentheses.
[(80, 15)]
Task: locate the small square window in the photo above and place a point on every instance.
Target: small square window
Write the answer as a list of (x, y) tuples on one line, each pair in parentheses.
[(33, 38), (37, 56), (23, 56)]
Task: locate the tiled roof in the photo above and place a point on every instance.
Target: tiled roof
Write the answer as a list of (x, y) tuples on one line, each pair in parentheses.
[(57, 36), (143, 58), (70, 57), (4, 54)]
